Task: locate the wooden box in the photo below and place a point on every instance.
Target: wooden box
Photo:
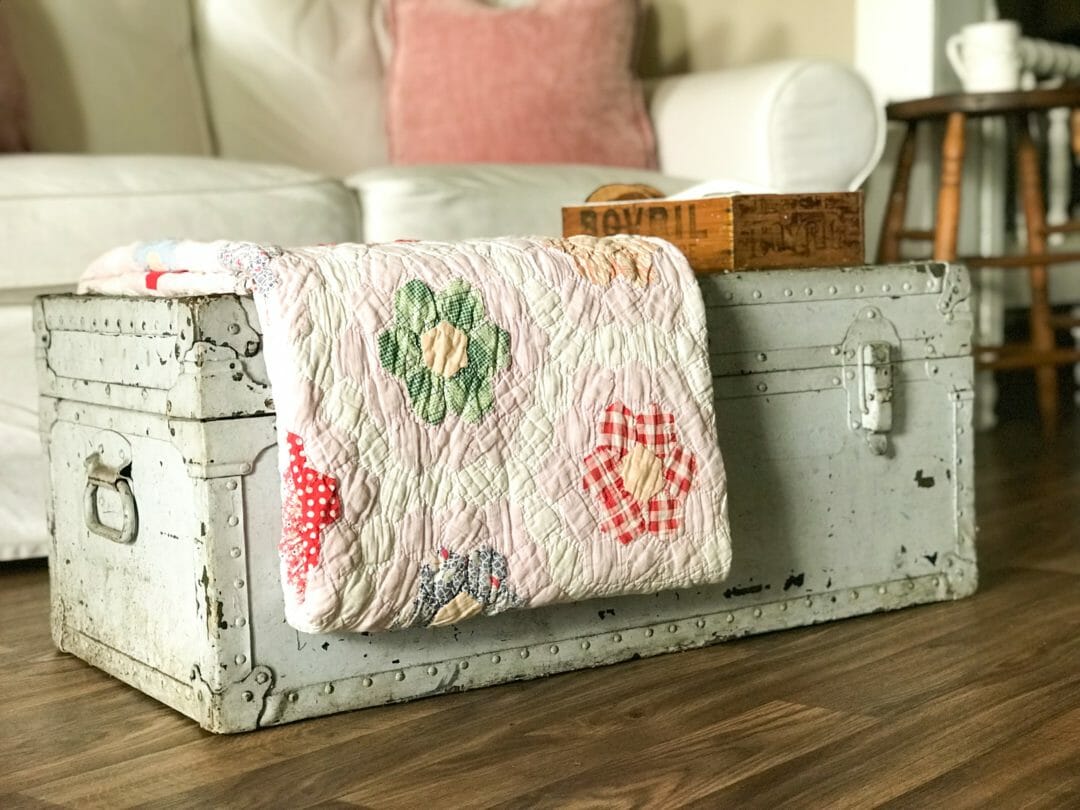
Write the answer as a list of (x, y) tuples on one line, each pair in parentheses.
[(738, 232)]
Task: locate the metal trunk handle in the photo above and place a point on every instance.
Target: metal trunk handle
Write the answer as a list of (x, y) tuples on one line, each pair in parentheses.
[(99, 474)]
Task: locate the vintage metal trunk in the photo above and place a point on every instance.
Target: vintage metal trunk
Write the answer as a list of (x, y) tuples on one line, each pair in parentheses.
[(844, 402)]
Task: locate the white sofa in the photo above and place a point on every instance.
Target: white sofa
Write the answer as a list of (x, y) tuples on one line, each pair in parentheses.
[(262, 120)]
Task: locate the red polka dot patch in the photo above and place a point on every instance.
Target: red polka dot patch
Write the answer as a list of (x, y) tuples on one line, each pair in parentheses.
[(310, 504)]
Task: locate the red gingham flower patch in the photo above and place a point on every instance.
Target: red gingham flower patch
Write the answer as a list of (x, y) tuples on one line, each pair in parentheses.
[(638, 473), (310, 504)]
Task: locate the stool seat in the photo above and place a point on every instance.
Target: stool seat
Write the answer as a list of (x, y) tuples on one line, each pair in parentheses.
[(1040, 352), (977, 105)]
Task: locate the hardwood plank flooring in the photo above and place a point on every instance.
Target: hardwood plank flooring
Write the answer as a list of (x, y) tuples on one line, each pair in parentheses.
[(967, 704)]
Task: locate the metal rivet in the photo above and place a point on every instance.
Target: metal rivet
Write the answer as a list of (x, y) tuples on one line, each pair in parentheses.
[(835, 350), (850, 374), (554, 649), (728, 296), (871, 314), (808, 291), (832, 291), (936, 582), (788, 293), (616, 638), (700, 623), (762, 357), (524, 653), (234, 520), (886, 287), (672, 628), (400, 676), (234, 329), (648, 632), (585, 645), (463, 665), (881, 589), (730, 618), (239, 621), (757, 613), (240, 659), (757, 293), (230, 485), (234, 552), (854, 594), (261, 677), (836, 380), (809, 602), (907, 285), (858, 288), (783, 606), (367, 682), (328, 689), (432, 670), (239, 583), (293, 697), (496, 659), (910, 585), (855, 424), (247, 696)]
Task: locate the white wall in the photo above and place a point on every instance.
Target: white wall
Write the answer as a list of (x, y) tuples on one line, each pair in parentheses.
[(708, 34)]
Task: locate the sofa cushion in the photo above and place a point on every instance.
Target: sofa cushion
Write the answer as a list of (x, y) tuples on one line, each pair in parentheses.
[(294, 81), (549, 82), (482, 200), (22, 475), (109, 75), (12, 98), (62, 211)]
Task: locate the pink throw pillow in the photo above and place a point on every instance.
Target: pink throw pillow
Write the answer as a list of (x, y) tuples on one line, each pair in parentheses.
[(13, 122), (551, 82)]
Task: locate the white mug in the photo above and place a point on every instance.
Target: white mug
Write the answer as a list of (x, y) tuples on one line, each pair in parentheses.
[(986, 56)]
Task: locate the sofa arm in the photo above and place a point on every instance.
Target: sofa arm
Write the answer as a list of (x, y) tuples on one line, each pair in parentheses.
[(789, 126)]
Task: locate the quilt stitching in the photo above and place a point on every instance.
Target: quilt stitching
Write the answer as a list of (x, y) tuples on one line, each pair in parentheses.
[(609, 380)]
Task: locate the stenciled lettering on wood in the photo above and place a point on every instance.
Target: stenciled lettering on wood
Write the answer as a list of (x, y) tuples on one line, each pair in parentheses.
[(672, 221), (817, 226), (738, 232)]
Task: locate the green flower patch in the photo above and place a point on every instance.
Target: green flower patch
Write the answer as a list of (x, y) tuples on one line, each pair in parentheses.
[(468, 392)]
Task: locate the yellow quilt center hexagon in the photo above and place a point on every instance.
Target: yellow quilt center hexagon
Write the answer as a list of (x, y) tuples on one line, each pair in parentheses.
[(642, 473), (444, 348)]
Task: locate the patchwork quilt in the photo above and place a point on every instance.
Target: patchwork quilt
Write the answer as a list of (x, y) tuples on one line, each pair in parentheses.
[(467, 428)]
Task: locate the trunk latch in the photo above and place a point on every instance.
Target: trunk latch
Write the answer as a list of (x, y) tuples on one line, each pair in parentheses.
[(876, 393)]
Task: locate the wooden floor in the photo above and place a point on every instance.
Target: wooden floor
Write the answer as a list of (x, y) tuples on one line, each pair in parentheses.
[(969, 704)]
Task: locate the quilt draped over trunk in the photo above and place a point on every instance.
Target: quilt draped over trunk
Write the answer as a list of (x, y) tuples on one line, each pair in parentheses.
[(466, 428)]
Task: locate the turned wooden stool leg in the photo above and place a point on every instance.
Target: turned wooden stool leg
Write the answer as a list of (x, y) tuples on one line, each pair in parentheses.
[(896, 209), (1042, 332), (947, 221)]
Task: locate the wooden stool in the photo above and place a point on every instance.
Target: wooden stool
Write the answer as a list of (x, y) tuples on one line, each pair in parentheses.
[(1040, 352)]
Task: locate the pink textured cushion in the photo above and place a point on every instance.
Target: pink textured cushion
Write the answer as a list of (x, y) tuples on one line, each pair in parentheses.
[(12, 99), (551, 82)]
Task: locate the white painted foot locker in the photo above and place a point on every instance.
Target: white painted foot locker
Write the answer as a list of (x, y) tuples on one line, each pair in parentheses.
[(844, 401)]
